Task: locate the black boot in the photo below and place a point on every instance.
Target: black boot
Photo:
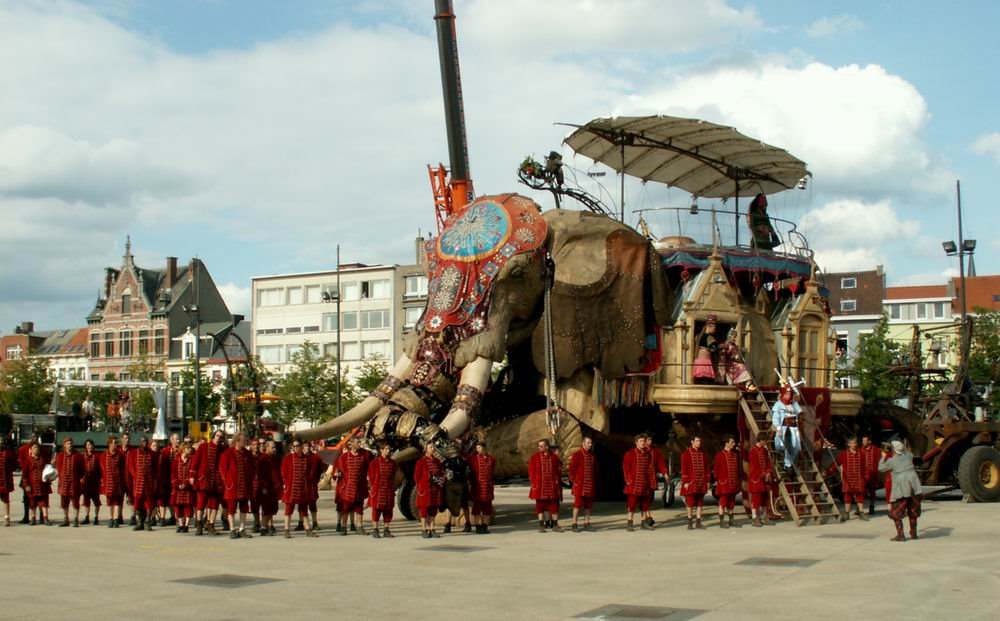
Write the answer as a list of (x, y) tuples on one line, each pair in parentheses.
[(199, 527), (690, 524), (722, 521), (913, 528), (86, 520), (899, 531), (467, 528), (732, 521)]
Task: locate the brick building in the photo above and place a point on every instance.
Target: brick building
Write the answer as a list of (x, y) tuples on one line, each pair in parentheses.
[(856, 300), (21, 343)]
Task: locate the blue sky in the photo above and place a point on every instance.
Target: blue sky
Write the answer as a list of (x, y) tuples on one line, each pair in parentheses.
[(258, 135)]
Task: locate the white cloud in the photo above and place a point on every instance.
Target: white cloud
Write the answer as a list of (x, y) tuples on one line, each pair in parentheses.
[(831, 27), (988, 145), (237, 298), (850, 234)]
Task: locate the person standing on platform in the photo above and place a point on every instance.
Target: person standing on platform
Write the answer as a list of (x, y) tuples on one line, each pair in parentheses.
[(182, 497), (871, 455), (428, 475), (69, 465), (382, 485), (237, 470), (694, 481), (295, 479), (482, 466), (350, 473), (544, 473), (785, 421), (91, 488), (759, 485), (112, 467), (726, 470), (906, 489), (583, 476), (207, 482)]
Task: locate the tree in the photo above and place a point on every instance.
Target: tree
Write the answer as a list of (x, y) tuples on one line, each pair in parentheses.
[(237, 393), (370, 375), (875, 356), (29, 386), (209, 401), (309, 391), (984, 352)]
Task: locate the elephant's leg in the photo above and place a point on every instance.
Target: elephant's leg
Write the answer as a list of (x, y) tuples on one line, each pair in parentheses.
[(514, 441)]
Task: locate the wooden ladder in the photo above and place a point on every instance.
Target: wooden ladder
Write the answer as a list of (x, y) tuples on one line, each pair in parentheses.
[(805, 494)]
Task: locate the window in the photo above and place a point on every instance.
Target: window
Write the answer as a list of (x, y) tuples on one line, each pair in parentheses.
[(415, 286), (809, 351), (939, 310), (175, 377), (124, 376), (374, 319), (329, 293), (270, 331), (313, 295), (411, 316), (330, 350), (61, 374), (350, 291), (350, 321), (996, 297), (848, 306), (269, 297), (921, 311), (13, 352), (109, 344), (143, 342), (351, 351), (95, 345), (330, 322), (159, 341), (894, 311), (216, 376), (270, 354), (375, 348), (310, 329), (375, 290), (295, 295), (125, 344), (294, 330), (939, 353), (94, 377), (188, 349), (292, 350), (126, 304), (848, 283)]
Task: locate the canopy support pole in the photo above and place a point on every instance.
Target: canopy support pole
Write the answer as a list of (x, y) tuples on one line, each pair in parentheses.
[(737, 213), (622, 189)]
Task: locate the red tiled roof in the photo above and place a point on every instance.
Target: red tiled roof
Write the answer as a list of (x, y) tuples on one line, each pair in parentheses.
[(981, 292), (916, 292)]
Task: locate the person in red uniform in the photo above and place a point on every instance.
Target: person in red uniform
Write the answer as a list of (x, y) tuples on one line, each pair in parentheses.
[(253, 445), (761, 477), (182, 494), (428, 475), (8, 463), (481, 468), (694, 481), (112, 472), (237, 469), (91, 482), (37, 488), (268, 486), (69, 465), (871, 455), (157, 495), (141, 468), (316, 469), (126, 448), (350, 472), (207, 482), (382, 483), (583, 476), (726, 471), (853, 479), (22, 458), (168, 454), (295, 477), (544, 473), (639, 467)]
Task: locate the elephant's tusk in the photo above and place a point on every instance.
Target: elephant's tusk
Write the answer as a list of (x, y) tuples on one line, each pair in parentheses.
[(359, 414), (476, 374)]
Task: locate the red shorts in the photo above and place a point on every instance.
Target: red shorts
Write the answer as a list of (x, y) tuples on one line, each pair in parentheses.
[(727, 501), (66, 501), (183, 511), (208, 500), (428, 512), (114, 501), (303, 509), (350, 507), (91, 498), (35, 502), (856, 497), (243, 504), (633, 501), (541, 506), (386, 515), (583, 502), (313, 507), (697, 500), (143, 502), (482, 507), (759, 499), (269, 506)]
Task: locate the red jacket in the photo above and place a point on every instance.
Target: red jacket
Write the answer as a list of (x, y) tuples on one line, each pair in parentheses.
[(112, 473), (295, 476), (428, 475), (70, 468), (726, 470), (853, 474), (316, 469), (760, 470), (481, 481), (141, 468), (31, 478), (544, 473), (181, 489), (583, 473), (640, 468), (268, 481), (91, 473), (871, 456), (352, 472), (382, 481), (206, 466), (237, 469), (694, 472), (8, 463)]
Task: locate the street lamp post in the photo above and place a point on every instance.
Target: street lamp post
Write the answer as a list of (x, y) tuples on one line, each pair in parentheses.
[(335, 297), (964, 247)]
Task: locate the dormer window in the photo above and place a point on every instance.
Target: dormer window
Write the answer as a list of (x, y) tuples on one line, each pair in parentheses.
[(127, 302)]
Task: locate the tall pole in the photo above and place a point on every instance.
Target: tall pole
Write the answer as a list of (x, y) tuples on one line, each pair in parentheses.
[(454, 108), (961, 273), (197, 345), (737, 197), (339, 349)]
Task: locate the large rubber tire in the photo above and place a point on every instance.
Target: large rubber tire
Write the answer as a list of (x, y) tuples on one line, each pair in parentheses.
[(979, 473), (407, 501)]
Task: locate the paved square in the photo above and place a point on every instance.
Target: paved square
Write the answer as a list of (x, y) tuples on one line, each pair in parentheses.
[(225, 581)]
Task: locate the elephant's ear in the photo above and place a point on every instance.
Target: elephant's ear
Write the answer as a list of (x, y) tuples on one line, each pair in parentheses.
[(608, 298)]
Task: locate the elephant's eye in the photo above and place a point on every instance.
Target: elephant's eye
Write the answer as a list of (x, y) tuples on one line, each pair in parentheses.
[(517, 271)]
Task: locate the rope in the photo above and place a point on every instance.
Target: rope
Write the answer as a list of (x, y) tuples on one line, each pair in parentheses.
[(551, 409)]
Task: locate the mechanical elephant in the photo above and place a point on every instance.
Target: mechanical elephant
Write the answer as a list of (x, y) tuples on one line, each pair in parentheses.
[(517, 296)]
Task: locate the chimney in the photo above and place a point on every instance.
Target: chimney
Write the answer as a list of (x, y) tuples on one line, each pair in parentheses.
[(171, 277), (27, 327), (419, 243), (108, 281)]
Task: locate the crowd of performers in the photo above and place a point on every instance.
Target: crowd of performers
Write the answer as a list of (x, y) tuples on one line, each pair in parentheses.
[(182, 481)]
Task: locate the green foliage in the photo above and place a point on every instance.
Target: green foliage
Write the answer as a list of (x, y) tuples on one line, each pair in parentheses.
[(209, 401), (237, 392), (370, 375), (874, 358), (142, 400), (984, 351), (309, 391), (28, 386)]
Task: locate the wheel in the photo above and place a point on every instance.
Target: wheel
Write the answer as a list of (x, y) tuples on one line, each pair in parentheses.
[(407, 500), (979, 473), (668, 493)]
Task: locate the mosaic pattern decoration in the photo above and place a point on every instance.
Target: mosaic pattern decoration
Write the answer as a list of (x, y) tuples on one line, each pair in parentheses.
[(474, 245)]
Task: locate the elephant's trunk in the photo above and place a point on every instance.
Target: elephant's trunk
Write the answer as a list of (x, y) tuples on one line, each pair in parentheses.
[(475, 375), (359, 414)]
